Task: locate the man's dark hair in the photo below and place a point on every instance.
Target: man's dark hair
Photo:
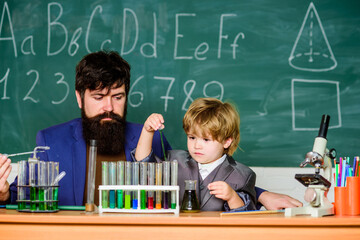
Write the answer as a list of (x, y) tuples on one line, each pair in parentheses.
[(102, 70)]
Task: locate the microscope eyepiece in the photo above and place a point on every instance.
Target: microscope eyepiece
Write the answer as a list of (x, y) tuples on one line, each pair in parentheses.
[(324, 125)]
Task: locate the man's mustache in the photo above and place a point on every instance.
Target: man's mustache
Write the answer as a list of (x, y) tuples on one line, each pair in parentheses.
[(111, 115)]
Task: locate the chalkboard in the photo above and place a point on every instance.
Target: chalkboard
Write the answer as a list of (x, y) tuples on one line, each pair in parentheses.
[(283, 63)]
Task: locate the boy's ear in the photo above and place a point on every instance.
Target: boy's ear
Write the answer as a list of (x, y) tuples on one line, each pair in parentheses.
[(228, 142)]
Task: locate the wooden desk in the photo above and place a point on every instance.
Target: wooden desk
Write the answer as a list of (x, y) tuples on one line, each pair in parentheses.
[(66, 225)]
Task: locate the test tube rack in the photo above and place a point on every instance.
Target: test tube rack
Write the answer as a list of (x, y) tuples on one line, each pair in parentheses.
[(36, 205), (138, 188)]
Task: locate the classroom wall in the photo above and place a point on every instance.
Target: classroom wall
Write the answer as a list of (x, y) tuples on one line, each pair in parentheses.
[(280, 180)]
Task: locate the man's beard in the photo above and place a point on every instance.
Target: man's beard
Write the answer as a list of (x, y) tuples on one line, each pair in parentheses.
[(109, 135)]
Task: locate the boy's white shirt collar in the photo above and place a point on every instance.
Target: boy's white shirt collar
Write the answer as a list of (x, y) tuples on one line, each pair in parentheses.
[(206, 169)]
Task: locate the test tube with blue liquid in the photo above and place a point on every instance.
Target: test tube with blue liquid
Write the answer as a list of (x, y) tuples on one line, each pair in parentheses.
[(120, 181), (151, 181), (143, 181), (158, 181), (112, 181), (32, 183), (135, 181), (127, 182), (21, 196), (104, 181), (174, 182), (166, 182)]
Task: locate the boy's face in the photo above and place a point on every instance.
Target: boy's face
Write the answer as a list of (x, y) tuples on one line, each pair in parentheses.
[(205, 149)]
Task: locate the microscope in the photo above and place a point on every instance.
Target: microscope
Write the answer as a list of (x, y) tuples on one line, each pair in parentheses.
[(318, 185)]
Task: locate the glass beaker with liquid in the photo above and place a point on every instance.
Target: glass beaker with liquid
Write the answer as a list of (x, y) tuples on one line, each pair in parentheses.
[(190, 202)]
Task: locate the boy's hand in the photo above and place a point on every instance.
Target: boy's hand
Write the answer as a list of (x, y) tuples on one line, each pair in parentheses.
[(5, 169), (154, 122), (223, 191)]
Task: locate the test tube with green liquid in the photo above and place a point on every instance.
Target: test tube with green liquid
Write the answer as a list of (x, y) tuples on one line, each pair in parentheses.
[(51, 177), (135, 181), (105, 181), (166, 182), (33, 188), (143, 181), (56, 187), (151, 181), (112, 181), (120, 181), (42, 182), (174, 182), (21, 195), (127, 182), (158, 181)]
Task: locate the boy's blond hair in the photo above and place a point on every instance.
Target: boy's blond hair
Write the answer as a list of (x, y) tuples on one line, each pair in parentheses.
[(212, 116)]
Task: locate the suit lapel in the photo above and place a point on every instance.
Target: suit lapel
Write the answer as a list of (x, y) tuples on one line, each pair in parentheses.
[(221, 173), (79, 165)]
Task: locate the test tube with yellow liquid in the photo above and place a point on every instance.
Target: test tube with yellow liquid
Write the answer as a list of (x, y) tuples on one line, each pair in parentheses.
[(158, 179)]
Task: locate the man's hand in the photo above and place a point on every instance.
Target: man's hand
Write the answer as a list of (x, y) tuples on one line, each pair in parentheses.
[(276, 201), (5, 169)]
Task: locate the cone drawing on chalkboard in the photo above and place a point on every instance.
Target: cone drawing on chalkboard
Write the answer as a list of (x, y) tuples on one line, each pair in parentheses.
[(312, 51)]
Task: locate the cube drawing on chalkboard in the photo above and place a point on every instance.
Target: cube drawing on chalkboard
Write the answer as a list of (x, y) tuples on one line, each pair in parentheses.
[(311, 99)]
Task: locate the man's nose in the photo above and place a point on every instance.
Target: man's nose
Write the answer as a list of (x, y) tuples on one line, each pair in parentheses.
[(108, 105)]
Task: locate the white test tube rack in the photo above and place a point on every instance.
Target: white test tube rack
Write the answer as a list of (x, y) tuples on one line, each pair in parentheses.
[(138, 188)]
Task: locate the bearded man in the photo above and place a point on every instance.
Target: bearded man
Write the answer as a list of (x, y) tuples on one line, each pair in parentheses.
[(101, 87)]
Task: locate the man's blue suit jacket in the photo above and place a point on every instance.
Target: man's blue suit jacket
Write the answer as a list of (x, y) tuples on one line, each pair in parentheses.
[(68, 147)]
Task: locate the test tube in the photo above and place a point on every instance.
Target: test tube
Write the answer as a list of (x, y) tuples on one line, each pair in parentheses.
[(120, 181), (55, 186), (105, 181), (143, 181), (51, 177), (21, 196), (89, 206), (151, 181), (174, 182), (127, 182), (112, 181), (166, 181), (158, 179), (42, 182), (135, 181)]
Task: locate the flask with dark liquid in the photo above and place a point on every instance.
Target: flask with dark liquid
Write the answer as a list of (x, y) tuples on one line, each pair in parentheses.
[(190, 202)]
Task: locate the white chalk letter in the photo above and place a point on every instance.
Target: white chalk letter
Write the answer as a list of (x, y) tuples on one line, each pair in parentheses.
[(124, 38), (55, 23), (6, 8)]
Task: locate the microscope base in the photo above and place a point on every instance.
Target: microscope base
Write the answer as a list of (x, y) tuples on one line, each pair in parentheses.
[(310, 210)]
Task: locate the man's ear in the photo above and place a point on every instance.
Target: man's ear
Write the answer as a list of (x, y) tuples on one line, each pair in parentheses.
[(78, 99), (228, 143)]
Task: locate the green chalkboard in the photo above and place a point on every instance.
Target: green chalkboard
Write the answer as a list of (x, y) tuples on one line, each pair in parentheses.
[(283, 63)]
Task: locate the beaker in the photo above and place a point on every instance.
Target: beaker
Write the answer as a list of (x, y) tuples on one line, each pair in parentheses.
[(190, 202)]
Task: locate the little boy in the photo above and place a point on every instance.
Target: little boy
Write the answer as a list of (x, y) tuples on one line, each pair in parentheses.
[(213, 134)]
